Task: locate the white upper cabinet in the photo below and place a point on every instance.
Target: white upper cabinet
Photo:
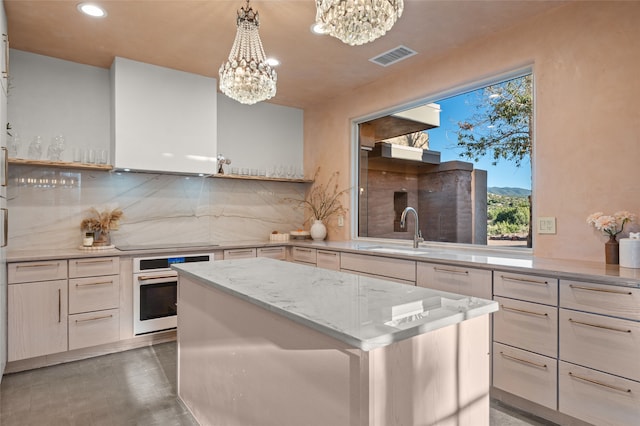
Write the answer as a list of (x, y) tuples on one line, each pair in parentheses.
[(163, 119)]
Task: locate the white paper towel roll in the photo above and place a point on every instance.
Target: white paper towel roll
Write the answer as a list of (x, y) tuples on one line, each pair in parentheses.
[(629, 253)]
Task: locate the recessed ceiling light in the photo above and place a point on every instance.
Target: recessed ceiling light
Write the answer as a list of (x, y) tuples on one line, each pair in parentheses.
[(273, 62), (92, 10), (318, 28)]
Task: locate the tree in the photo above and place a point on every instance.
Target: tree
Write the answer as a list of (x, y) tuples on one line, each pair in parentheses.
[(416, 139), (501, 126)]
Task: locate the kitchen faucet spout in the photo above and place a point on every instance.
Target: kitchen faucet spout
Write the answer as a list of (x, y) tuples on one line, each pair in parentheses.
[(417, 236)]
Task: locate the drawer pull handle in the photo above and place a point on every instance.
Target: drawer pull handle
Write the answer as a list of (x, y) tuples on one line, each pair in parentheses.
[(94, 318), (595, 382), (38, 265), (602, 290), (59, 305), (303, 250), (621, 330), (155, 277), (239, 251), (454, 271), (92, 284), (276, 249), (84, 262), (5, 175), (524, 280), (523, 311), (535, 364), (5, 230), (326, 253)]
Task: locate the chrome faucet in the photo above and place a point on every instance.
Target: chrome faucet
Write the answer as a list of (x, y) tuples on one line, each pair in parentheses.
[(417, 237)]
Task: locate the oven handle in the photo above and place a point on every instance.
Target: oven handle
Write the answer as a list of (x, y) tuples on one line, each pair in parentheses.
[(156, 277)]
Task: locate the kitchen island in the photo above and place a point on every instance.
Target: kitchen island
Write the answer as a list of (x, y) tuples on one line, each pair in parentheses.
[(265, 342)]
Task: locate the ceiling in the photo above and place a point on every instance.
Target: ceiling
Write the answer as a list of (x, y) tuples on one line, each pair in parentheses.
[(196, 36)]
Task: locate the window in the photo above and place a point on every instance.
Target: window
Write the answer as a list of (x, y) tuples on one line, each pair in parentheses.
[(462, 161)]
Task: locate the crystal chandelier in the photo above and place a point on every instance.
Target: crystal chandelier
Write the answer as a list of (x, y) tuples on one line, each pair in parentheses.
[(246, 76), (357, 22)]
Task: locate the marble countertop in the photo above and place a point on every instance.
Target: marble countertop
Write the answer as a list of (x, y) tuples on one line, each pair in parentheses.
[(481, 257), (364, 312)]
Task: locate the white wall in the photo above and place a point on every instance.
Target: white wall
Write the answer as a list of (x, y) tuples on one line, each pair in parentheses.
[(49, 96), (260, 136)]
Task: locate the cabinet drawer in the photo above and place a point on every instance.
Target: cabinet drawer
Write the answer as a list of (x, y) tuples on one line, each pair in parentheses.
[(603, 299), (525, 374), (526, 287), (377, 265), (526, 325), (455, 279), (94, 328), (598, 398), (301, 254), (94, 266), (25, 272), (94, 293), (328, 259), (604, 343), (272, 252), (239, 254)]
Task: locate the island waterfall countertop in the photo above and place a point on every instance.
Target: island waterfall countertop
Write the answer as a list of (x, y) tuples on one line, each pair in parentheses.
[(366, 313)]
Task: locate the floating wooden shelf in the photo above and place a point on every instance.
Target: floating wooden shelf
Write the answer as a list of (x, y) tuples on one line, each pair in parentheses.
[(262, 178), (61, 164)]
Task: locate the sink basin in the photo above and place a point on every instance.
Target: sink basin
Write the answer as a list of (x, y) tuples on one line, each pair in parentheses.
[(397, 250)]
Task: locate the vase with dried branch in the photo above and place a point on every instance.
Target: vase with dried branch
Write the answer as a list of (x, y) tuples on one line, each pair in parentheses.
[(323, 201), (100, 224)]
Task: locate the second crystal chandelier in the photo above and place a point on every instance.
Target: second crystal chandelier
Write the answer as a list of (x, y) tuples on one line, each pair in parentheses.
[(357, 22), (246, 76)]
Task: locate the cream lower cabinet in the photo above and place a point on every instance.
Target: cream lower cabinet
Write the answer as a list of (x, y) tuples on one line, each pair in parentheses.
[(455, 279), (328, 259), (37, 309), (94, 300), (525, 337), (279, 253), (244, 253), (304, 255), (599, 376), (392, 269)]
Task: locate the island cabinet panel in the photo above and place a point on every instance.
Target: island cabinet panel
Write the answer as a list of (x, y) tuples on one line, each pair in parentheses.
[(455, 279), (531, 288), (598, 398), (380, 266), (529, 375), (241, 364), (529, 326), (328, 259)]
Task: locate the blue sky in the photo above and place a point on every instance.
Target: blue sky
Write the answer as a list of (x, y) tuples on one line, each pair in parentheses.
[(444, 139)]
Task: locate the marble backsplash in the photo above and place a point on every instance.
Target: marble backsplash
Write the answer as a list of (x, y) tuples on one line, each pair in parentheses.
[(46, 206)]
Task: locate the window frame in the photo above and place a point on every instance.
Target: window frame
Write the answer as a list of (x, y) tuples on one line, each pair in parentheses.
[(433, 98)]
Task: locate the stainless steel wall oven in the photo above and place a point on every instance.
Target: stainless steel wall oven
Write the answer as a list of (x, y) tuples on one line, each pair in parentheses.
[(155, 291)]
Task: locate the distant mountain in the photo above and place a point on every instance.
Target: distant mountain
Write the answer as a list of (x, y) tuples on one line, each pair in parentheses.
[(509, 192)]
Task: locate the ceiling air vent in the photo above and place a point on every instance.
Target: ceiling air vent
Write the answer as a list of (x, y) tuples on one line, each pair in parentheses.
[(392, 56)]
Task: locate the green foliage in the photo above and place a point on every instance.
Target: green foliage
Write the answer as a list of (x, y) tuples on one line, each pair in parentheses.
[(507, 215), (501, 125)]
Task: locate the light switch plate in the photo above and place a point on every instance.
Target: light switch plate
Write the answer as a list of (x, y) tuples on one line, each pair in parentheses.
[(546, 225)]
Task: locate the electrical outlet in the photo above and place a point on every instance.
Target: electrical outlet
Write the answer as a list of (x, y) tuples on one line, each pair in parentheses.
[(546, 225), (340, 220)]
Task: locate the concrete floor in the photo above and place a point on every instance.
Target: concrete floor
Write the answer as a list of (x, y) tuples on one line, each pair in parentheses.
[(136, 387)]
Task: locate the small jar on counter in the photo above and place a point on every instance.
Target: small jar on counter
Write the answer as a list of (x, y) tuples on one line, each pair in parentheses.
[(87, 240)]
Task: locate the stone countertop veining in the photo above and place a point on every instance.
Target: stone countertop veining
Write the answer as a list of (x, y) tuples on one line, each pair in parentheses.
[(363, 312)]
